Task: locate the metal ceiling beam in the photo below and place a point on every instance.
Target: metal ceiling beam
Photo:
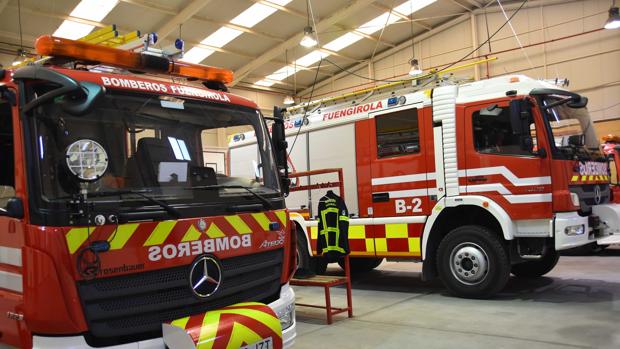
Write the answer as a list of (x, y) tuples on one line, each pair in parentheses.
[(153, 7), (458, 3), (349, 10), (453, 22), (339, 26), (186, 13), (401, 16)]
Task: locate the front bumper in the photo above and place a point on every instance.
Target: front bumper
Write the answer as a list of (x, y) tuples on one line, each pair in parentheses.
[(606, 233), (287, 299)]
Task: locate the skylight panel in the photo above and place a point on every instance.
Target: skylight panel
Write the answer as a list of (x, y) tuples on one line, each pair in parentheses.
[(280, 2), (412, 6), (342, 41), (265, 83), (94, 10), (221, 37), (254, 14), (196, 55), (311, 58), (73, 30), (377, 23), (282, 73)]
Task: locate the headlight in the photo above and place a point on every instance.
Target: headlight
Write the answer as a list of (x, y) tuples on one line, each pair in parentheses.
[(573, 230), (286, 316), (575, 199)]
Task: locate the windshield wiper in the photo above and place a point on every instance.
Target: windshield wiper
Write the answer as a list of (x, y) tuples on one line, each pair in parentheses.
[(261, 198), (171, 210)]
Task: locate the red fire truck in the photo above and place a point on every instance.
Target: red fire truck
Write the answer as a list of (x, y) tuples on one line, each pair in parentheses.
[(114, 222), (476, 180)]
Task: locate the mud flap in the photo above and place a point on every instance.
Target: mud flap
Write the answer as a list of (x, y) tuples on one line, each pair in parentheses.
[(242, 325)]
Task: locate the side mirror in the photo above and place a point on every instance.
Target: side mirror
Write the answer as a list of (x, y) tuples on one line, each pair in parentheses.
[(578, 102), (77, 98), (14, 208), (520, 116), (576, 140), (280, 145)]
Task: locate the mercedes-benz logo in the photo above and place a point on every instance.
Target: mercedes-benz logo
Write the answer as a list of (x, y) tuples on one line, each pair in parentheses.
[(597, 194), (205, 276)]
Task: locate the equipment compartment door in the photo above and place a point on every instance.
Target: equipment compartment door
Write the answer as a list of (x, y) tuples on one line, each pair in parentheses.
[(499, 164), (399, 179), (398, 167)]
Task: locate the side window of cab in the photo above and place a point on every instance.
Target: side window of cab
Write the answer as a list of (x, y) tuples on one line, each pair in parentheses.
[(7, 171), (493, 133)]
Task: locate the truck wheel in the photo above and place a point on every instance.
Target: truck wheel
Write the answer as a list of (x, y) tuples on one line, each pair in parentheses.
[(538, 267), (472, 262), (304, 260), (361, 265)]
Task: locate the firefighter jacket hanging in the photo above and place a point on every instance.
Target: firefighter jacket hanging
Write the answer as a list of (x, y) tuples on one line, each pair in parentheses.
[(333, 239)]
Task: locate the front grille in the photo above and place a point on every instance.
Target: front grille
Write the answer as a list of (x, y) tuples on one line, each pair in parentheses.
[(135, 306), (586, 195)]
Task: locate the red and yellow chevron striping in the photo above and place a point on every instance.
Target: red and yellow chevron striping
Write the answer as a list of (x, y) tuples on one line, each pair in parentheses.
[(232, 327), (157, 233)]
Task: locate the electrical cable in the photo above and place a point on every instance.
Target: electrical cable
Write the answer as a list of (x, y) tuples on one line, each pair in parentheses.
[(316, 75), (444, 68)]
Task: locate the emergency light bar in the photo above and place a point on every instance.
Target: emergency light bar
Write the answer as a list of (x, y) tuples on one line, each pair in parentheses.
[(47, 45)]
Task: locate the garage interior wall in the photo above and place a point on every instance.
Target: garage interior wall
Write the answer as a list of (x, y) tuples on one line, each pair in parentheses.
[(561, 39)]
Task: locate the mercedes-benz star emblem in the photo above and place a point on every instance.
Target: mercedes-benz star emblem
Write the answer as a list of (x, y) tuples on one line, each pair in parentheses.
[(597, 195), (205, 276), (202, 225)]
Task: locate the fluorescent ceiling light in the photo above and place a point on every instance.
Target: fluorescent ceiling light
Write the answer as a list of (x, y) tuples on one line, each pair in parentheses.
[(73, 30), (221, 37), (282, 73), (412, 6), (311, 58), (94, 10), (377, 23), (253, 15), (265, 83), (343, 41), (196, 55)]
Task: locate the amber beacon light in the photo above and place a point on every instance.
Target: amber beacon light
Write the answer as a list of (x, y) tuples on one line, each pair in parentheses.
[(47, 45)]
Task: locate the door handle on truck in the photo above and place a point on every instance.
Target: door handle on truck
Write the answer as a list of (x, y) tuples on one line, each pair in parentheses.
[(477, 179), (380, 197)]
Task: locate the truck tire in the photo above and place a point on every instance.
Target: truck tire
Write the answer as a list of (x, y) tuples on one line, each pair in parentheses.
[(304, 259), (361, 265), (472, 262), (538, 267)]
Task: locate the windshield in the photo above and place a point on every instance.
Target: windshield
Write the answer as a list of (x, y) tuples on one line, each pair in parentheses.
[(570, 124), (163, 147)]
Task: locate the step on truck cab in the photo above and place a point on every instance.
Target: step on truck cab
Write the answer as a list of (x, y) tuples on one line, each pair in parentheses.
[(475, 180), (113, 219)]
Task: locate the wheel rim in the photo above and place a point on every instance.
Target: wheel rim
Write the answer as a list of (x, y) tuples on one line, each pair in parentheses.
[(469, 263)]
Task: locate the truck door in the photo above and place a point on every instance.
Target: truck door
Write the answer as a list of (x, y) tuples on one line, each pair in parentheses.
[(399, 179), (503, 166)]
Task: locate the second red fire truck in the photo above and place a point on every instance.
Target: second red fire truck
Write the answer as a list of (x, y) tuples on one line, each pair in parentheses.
[(475, 180)]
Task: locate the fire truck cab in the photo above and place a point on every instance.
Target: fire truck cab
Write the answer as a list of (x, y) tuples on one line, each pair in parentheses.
[(115, 222), (475, 180)]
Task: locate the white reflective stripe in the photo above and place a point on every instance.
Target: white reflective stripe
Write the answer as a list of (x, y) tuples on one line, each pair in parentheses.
[(405, 219), (480, 188), (528, 198), (11, 281), (408, 193), (404, 178), (486, 171), (10, 255), (379, 220)]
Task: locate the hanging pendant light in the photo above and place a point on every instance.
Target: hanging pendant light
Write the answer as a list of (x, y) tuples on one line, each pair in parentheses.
[(613, 22), (289, 100), (415, 68), (308, 40)]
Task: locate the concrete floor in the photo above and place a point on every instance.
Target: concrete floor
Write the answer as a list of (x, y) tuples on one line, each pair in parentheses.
[(577, 305)]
